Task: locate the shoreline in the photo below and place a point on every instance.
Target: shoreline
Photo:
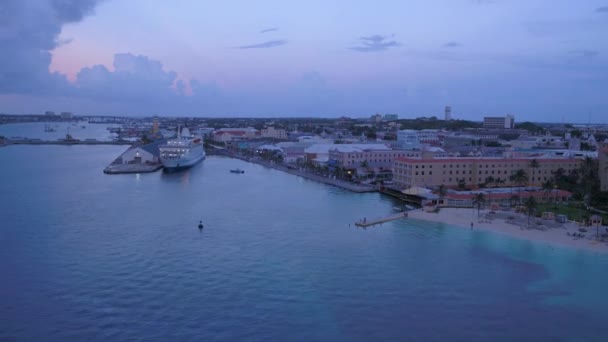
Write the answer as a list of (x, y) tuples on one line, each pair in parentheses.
[(335, 182), (549, 232)]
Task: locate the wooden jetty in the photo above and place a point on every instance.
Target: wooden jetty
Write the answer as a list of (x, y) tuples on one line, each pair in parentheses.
[(365, 224)]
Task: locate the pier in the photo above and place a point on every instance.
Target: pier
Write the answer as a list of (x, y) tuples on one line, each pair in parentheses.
[(364, 223), (137, 159)]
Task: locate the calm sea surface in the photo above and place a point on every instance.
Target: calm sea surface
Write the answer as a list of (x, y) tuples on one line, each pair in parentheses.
[(88, 256), (78, 130)]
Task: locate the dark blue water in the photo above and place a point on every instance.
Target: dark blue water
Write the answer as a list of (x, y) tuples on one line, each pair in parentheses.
[(88, 256)]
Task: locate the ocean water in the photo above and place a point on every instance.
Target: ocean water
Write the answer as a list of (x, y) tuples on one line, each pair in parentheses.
[(88, 256), (35, 130)]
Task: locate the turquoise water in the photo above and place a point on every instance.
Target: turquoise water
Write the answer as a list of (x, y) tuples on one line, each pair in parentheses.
[(88, 256)]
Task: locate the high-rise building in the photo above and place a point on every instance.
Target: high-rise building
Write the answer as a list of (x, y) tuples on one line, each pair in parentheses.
[(155, 125), (499, 122), (448, 113)]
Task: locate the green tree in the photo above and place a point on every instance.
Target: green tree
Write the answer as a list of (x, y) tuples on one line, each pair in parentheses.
[(547, 188), (478, 201), (530, 204), (442, 192), (520, 178)]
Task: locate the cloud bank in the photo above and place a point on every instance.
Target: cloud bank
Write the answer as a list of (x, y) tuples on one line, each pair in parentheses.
[(29, 30)]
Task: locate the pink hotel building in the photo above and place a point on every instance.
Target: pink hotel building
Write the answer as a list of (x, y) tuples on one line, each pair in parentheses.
[(433, 172)]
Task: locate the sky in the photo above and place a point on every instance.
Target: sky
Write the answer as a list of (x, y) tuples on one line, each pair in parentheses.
[(538, 60)]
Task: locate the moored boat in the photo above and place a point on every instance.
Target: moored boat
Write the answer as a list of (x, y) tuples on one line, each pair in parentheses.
[(182, 152)]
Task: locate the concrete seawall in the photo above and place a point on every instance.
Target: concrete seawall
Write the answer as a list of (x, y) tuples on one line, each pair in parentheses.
[(335, 182)]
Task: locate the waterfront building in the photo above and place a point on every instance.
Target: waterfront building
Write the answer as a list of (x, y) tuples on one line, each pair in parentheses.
[(500, 197), (319, 153), (603, 165), (273, 133), (49, 113), (142, 154), (371, 155), (232, 134), (472, 172), (499, 122)]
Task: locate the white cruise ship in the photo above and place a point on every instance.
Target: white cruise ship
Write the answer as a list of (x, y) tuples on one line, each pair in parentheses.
[(182, 152)]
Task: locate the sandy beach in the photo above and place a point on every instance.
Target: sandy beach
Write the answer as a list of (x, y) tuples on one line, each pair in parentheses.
[(515, 225)]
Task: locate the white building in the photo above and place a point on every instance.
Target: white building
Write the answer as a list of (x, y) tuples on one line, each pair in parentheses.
[(274, 133), (231, 134), (407, 139), (319, 153), (499, 122), (138, 155)]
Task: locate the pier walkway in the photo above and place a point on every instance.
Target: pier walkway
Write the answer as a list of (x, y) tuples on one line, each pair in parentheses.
[(364, 223)]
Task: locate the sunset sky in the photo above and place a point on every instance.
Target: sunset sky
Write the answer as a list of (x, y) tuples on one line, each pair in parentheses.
[(539, 60)]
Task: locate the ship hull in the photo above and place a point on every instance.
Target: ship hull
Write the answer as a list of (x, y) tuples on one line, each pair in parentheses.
[(178, 165)]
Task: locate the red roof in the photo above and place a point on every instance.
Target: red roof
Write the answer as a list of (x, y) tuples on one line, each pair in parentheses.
[(230, 132), (474, 160), (507, 195)]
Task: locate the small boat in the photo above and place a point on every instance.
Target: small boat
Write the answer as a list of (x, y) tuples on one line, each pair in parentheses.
[(200, 225), (237, 171)]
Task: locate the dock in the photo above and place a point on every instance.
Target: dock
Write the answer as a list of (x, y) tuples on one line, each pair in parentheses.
[(115, 169), (137, 159), (365, 224)]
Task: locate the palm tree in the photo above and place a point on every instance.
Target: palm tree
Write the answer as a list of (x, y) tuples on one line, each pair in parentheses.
[(478, 200), (489, 181), (534, 165), (547, 188), (530, 204), (442, 192), (520, 177)]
